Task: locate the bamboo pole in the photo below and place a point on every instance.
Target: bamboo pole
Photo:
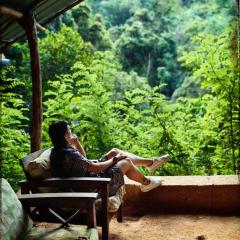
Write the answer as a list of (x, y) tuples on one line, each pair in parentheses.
[(29, 24)]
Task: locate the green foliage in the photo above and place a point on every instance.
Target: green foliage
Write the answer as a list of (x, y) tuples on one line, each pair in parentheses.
[(91, 27), (213, 63), (14, 141), (19, 55), (147, 44), (113, 84), (59, 51), (115, 12), (89, 94)]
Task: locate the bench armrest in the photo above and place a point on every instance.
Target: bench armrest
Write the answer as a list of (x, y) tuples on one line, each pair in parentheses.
[(76, 182), (58, 199)]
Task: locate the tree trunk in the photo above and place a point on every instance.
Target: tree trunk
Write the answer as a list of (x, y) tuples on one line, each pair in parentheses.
[(149, 76)]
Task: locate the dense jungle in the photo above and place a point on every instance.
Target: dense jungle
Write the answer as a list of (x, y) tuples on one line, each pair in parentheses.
[(149, 77)]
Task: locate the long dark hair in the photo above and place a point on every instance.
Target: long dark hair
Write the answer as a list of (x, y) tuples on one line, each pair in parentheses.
[(57, 131)]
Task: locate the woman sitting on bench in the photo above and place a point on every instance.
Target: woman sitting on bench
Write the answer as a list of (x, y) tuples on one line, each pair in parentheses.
[(68, 159)]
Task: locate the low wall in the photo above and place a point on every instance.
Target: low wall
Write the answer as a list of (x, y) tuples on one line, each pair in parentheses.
[(185, 194)]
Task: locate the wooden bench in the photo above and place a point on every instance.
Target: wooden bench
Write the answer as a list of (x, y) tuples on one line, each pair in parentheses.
[(85, 184)]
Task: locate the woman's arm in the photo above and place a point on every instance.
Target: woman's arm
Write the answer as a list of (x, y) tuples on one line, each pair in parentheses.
[(101, 166), (76, 165), (77, 145), (80, 149)]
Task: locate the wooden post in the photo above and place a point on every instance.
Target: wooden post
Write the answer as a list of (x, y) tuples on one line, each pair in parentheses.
[(105, 221), (29, 24)]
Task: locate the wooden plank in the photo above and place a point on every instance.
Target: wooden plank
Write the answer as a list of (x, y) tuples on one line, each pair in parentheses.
[(65, 195), (76, 182), (73, 200)]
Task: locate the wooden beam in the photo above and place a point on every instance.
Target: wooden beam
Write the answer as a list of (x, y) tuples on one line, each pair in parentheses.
[(18, 15), (29, 24), (10, 11)]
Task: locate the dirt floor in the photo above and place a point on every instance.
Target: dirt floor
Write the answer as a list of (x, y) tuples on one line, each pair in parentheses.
[(176, 227)]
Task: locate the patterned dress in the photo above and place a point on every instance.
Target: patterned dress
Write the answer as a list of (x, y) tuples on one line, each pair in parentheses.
[(68, 162)]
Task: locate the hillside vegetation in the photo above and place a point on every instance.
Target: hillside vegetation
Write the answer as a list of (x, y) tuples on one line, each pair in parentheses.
[(150, 77)]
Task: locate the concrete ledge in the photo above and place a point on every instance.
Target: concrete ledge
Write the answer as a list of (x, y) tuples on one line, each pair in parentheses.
[(186, 194)]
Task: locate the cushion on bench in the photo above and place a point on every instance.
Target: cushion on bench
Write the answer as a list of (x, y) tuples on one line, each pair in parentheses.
[(40, 166)]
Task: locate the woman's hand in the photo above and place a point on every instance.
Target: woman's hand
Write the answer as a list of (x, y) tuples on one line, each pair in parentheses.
[(102, 166), (119, 157), (74, 140), (76, 144)]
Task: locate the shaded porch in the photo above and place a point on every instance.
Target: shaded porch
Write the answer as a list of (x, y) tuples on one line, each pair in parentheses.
[(184, 207), (176, 227)]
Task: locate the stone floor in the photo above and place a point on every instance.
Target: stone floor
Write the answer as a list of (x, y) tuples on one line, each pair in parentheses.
[(176, 227)]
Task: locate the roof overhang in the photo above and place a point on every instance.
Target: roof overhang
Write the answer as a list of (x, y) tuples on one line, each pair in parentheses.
[(44, 11)]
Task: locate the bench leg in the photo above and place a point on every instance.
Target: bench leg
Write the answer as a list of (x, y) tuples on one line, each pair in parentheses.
[(120, 213), (91, 216)]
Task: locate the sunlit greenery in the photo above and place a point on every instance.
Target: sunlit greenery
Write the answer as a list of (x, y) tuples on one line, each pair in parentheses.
[(150, 77)]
